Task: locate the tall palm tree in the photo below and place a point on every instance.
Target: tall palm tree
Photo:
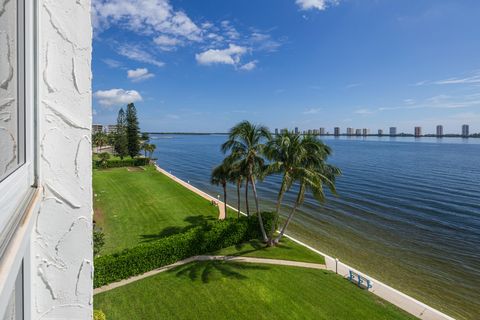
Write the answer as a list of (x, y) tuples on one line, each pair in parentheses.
[(236, 176), (246, 141), (311, 172), (151, 149), (284, 151), (220, 176)]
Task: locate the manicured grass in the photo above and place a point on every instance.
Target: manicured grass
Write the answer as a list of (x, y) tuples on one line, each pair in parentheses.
[(286, 250), (220, 290), (144, 205)]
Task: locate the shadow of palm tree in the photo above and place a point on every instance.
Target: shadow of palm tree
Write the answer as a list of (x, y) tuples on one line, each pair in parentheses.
[(257, 245), (207, 271), (193, 221)]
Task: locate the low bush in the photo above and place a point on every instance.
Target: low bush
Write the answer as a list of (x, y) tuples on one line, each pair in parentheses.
[(99, 315), (117, 163), (199, 240)]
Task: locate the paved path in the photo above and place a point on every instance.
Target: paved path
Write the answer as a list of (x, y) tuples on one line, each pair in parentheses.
[(221, 208), (277, 262)]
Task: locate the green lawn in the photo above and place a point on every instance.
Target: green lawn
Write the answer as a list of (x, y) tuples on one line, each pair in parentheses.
[(143, 205), (220, 290), (286, 250)]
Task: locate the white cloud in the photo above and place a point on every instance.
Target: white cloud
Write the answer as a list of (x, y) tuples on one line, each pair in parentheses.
[(144, 16), (136, 53), (312, 111), (249, 66), (364, 111), (315, 4), (139, 74), (471, 78), (167, 43), (112, 63), (230, 55), (116, 97)]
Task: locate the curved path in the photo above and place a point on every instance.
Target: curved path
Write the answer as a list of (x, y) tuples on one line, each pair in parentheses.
[(210, 258), (221, 208)]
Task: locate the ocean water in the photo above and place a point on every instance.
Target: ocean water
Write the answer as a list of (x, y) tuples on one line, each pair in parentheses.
[(408, 210)]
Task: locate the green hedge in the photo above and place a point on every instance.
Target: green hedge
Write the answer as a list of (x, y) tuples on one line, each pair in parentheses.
[(117, 163), (199, 240)]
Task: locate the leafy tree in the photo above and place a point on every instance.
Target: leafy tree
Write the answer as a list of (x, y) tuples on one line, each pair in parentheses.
[(246, 142), (104, 156), (133, 131), (121, 142)]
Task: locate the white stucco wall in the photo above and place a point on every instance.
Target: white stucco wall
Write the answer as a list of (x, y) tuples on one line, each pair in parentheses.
[(61, 250)]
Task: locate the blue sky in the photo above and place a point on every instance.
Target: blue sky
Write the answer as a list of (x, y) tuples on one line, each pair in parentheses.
[(202, 66)]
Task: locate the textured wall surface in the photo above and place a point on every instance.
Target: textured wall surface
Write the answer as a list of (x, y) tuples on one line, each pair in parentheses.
[(62, 267), (8, 88)]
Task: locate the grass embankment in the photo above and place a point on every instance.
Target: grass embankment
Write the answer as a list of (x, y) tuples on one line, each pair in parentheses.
[(220, 290), (144, 205)]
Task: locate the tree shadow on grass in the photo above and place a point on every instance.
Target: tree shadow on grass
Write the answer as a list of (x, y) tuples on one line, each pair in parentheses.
[(257, 245), (193, 221), (207, 271)]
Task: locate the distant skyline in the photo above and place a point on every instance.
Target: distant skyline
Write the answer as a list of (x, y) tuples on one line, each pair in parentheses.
[(202, 66)]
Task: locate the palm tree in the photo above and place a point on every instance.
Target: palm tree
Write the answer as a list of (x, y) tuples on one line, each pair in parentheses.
[(246, 142), (311, 172), (285, 152), (100, 139), (236, 176), (151, 149), (220, 176)]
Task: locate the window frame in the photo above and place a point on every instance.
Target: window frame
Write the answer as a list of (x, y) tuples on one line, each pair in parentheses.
[(18, 186)]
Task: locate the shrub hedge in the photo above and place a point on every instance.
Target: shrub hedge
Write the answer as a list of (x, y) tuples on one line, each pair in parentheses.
[(117, 163), (199, 240)]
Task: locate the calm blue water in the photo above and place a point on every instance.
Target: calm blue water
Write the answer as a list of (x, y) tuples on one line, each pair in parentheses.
[(408, 211)]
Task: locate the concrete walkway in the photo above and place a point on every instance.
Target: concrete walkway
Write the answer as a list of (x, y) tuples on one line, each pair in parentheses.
[(277, 262), (221, 208)]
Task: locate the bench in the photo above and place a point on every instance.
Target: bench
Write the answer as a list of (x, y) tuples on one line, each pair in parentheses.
[(361, 281)]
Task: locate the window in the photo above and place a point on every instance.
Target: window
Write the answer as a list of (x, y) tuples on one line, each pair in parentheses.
[(16, 114)]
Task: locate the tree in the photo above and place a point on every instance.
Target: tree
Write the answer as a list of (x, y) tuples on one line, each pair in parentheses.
[(121, 142), (285, 152), (145, 137), (133, 131), (220, 176), (246, 142), (99, 140), (151, 149), (307, 167), (104, 156), (236, 176)]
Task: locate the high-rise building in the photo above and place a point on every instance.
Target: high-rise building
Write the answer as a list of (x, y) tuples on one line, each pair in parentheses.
[(296, 130), (350, 131), (380, 132), (358, 132), (365, 131), (336, 131), (393, 131), (276, 131), (439, 130), (418, 131), (465, 130), (96, 128), (285, 130), (111, 128), (322, 131), (316, 132)]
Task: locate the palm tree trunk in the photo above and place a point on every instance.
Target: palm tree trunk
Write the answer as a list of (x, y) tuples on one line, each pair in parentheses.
[(225, 198), (290, 216), (238, 197), (246, 198), (259, 215)]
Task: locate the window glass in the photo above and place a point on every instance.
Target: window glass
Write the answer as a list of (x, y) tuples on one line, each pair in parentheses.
[(12, 100)]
